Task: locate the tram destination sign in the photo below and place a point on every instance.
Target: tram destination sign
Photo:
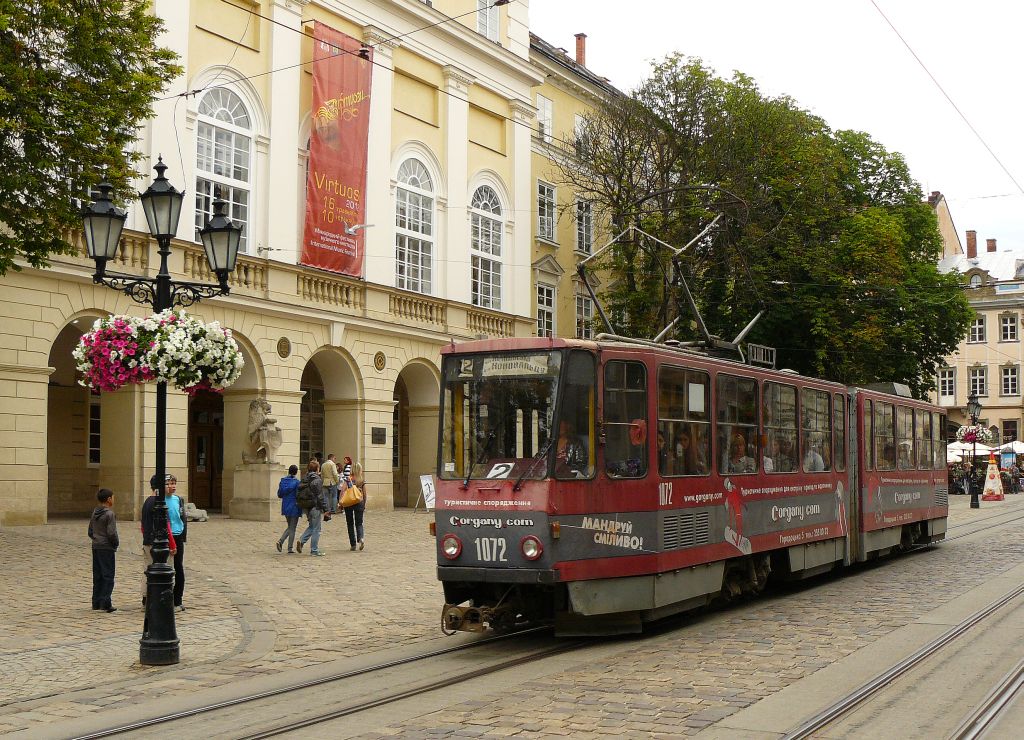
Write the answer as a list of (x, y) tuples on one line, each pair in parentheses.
[(760, 355)]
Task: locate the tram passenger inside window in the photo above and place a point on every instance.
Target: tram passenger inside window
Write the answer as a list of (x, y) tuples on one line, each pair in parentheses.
[(570, 453), (903, 461), (813, 461), (685, 458), (663, 468), (739, 461)]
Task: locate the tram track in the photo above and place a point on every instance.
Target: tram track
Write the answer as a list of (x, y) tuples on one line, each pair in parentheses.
[(992, 708), (989, 710), (976, 530), (298, 686)]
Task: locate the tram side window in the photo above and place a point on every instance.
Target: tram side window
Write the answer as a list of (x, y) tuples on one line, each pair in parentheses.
[(923, 439), (885, 437), (574, 446), (866, 443), (684, 420), (817, 429), (737, 425), (839, 431), (625, 419), (938, 441), (778, 415), (904, 438)]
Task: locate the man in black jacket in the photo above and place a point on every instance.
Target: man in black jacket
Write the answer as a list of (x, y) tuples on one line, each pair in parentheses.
[(103, 533), (314, 514)]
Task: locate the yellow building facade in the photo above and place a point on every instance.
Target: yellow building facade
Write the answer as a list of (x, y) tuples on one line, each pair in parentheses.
[(350, 365)]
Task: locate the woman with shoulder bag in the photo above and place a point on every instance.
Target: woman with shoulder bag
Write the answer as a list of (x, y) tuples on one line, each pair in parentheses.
[(353, 503)]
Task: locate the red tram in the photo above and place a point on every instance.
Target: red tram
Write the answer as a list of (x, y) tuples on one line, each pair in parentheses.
[(601, 485)]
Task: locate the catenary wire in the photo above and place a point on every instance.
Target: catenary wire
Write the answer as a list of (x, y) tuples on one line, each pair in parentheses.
[(948, 98)]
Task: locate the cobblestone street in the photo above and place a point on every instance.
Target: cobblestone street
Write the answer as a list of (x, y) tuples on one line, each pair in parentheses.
[(254, 612)]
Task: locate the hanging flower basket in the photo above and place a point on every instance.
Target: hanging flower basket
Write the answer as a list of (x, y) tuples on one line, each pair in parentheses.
[(170, 347), (975, 434)]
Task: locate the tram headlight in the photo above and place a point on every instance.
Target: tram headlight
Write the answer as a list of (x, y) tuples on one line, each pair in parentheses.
[(531, 547), (451, 546)]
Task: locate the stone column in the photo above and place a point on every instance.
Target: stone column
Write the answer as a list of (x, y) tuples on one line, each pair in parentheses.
[(23, 394), (452, 258), (285, 54), (379, 262), (422, 454), (517, 263), (344, 429), (120, 451), (376, 458), (177, 439)]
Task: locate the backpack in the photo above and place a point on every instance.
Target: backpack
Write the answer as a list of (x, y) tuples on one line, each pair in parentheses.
[(305, 497)]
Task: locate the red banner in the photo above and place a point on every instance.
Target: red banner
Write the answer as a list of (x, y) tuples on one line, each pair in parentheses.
[(336, 183)]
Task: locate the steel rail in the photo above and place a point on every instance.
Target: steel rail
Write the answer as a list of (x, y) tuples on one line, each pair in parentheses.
[(979, 529), (856, 697), (987, 714), (427, 688), (164, 718)]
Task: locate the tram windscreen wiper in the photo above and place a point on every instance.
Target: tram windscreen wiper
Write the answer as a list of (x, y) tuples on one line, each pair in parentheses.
[(484, 453), (533, 463)]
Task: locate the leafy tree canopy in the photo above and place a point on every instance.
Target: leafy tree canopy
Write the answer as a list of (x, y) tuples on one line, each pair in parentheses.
[(824, 230), (77, 79)]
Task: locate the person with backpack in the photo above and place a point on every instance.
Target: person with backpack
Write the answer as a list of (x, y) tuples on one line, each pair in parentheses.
[(286, 491), (310, 498)]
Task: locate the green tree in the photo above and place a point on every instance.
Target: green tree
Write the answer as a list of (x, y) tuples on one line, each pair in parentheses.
[(77, 79), (824, 230)]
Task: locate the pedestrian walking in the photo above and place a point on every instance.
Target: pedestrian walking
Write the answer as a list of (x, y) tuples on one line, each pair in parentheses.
[(286, 491), (310, 497), (179, 529), (354, 506), (146, 525), (103, 533), (346, 471), (329, 475)]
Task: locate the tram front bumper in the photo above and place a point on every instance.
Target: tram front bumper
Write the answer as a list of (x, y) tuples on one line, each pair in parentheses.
[(495, 575)]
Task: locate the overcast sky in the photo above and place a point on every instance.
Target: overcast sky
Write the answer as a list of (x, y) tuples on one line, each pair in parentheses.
[(841, 60)]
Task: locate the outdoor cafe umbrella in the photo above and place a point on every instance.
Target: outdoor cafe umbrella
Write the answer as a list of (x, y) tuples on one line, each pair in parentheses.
[(967, 447), (1016, 447)]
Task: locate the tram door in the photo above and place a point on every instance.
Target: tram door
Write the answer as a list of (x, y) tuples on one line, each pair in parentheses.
[(206, 450)]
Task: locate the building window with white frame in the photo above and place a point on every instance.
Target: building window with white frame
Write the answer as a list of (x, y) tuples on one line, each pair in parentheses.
[(978, 380), (977, 333), (545, 119), (947, 383), (414, 227), (584, 315), (223, 159), (1011, 381), (1008, 328), (487, 19), (584, 226), (93, 446), (545, 211), (485, 245), (545, 310)]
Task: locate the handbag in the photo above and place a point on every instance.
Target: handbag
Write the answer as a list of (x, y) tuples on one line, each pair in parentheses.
[(352, 496)]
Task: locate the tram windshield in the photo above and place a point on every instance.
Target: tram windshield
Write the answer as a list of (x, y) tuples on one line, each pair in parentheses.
[(498, 416)]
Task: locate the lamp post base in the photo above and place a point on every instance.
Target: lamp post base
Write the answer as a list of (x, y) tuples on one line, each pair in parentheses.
[(975, 503), (159, 643)]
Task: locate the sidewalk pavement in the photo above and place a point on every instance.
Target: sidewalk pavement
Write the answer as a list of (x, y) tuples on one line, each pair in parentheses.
[(254, 612), (250, 610)]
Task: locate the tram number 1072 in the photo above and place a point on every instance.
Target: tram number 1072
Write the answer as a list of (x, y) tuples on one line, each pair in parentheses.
[(490, 549)]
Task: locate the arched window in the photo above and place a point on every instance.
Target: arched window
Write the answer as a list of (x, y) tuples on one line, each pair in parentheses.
[(414, 227), (485, 243), (223, 158)]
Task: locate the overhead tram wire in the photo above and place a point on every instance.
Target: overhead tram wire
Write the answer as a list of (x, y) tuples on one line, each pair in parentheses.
[(948, 98)]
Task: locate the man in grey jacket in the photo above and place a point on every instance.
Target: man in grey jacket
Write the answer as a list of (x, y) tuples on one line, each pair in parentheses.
[(103, 533), (314, 493)]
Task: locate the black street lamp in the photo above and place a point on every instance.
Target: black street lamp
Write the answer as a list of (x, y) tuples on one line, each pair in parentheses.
[(974, 411), (103, 223)]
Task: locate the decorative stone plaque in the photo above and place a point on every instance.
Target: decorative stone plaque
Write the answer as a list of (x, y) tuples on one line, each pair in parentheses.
[(284, 347), (380, 361), (379, 435)]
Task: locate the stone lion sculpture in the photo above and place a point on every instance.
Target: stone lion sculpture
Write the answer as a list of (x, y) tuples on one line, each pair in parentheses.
[(264, 434)]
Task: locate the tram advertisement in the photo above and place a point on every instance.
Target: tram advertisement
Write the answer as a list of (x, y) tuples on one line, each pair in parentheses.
[(336, 179)]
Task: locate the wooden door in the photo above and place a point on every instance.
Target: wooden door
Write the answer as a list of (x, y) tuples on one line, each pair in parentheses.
[(206, 450)]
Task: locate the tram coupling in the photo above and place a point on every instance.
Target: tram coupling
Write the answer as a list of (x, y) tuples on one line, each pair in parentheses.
[(456, 618)]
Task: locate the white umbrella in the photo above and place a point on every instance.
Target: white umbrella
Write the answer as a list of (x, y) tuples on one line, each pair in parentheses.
[(1016, 447), (953, 457), (969, 447)]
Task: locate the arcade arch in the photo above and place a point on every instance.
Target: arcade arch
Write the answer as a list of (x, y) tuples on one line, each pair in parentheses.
[(416, 394), (331, 415)]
